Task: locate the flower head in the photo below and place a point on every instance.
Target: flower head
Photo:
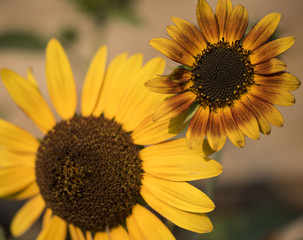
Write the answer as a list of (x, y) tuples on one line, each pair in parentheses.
[(93, 172), (228, 81)]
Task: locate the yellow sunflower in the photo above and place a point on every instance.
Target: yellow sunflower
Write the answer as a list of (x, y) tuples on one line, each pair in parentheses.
[(91, 172), (228, 82)]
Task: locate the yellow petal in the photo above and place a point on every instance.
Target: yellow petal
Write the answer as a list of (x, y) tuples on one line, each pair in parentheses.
[(207, 22), (29, 191), (271, 49), (27, 215), (88, 235), (180, 195), (14, 159), (15, 179), (173, 50), (183, 40), (273, 94), (137, 102), (232, 130), (143, 224), (17, 139), (245, 120), (174, 106), (60, 80), (270, 113), (216, 134), (93, 82), (166, 86), (236, 24), (113, 69), (174, 161), (263, 123), (118, 233), (115, 87), (192, 32), (47, 217), (149, 132), (29, 99), (31, 78), (195, 222), (262, 31), (101, 236), (75, 233), (224, 8), (197, 127), (284, 81), (271, 66), (55, 229)]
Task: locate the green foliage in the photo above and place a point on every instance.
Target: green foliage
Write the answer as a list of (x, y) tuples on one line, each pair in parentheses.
[(102, 10)]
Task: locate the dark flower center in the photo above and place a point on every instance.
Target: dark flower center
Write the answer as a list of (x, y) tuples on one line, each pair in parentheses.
[(89, 172), (222, 74)]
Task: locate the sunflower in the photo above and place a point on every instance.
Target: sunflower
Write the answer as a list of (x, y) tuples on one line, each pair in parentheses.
[(93, 173), (228, 82)]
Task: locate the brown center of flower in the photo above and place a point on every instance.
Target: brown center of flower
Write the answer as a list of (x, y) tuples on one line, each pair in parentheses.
[(89, 172), (222, 74)]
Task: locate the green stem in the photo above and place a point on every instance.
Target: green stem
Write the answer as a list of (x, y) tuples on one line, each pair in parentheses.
[(212, 182)]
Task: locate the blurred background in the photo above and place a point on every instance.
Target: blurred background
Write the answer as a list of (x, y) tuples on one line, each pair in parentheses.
[(259, 196)]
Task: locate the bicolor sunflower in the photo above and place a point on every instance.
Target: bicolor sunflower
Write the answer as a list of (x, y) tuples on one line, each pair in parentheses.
[(94, 172), (229, 82)]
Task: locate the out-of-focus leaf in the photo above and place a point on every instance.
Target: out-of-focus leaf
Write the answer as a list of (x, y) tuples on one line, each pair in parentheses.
[(21, 39), (102, 10)]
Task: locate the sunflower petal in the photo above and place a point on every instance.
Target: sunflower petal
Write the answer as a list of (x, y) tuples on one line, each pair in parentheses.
[(75, 233), (167, 86), (262, 31), (273, 94), (172, 50), (271, 49), (93, 82), (236, 24), (195, 222), (192, 33), (47, 216), (116, 87), (271, 66), (174, 106), (150, 132), (138, 102), (286, 81), (207, 22), (14, 159), (60, 80), (111, 74), (263, 123), (174, 161), (216, 135), (29, 191), (119, 233), (55, 229), (15, 179), (230, 126), (224, 8), (271, 114), (29, 99), (180, 195), (17, 139), (197, 127), (143, 224), (245, 120), (27, 215), (101, 236), (175, 33)]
